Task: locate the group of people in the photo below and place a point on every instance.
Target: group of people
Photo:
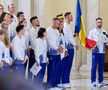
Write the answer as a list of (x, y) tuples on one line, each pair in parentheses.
[(51, 48)]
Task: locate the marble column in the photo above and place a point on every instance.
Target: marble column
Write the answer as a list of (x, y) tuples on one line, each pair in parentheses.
[(25, 6), (92, 14), (39, 7)]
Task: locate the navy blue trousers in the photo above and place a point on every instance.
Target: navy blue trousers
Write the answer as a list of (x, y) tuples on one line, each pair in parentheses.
[(66, 67), (53, 70), (31, 63), (38, 80), (19, 68), (98, 60), (5, 69)]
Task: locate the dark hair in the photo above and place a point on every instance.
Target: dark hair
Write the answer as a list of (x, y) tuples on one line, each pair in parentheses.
[(19, 28), (3, 15), (20, 23), (98, 18), (32, 18), (54, 19), (41, 32), (19, 13), (1, 32), (66, 14), (10, 5)]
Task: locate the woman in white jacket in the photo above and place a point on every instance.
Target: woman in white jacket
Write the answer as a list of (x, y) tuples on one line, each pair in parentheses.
[(41, 55), (5, 46)]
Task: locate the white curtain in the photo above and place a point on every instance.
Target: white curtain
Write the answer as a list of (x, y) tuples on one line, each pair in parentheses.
[(41, 11)]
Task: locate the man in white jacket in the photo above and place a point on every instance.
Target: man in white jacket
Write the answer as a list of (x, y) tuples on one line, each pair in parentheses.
[(19, 51), (53, 39), (71, 44), (33, 32), (98, 52), (14, 23)]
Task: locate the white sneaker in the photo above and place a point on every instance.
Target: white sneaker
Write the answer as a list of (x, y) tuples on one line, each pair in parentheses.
[(102, 85), (55, 88), (93, 84), (67, 85), (60, 85)]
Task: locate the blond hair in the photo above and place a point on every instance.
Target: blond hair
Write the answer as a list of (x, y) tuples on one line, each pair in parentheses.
[(6, 40)]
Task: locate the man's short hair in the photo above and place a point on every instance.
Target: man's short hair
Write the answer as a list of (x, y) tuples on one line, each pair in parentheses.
[(10, 5), (66, 14), (19, 28), (32, 18), (98, 18), (19, 13), (54, 19)]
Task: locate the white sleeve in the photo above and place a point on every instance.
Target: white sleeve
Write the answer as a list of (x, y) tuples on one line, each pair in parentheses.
[(30, 33), (15, 49), (105, 37), (1, 57), (37, 51), (51, 41), (69, 36), (93, 36), (90, 36)]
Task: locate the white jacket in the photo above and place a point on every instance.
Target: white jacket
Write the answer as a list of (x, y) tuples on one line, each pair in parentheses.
[(53, 39), (68, 34), (18, 48), (98, 36), (33, 36), (41, 50)]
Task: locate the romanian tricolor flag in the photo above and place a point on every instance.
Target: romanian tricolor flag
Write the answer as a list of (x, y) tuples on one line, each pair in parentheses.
[(80, 29)]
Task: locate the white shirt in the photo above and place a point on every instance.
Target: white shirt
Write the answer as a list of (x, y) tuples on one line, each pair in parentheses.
[(12, 26), (41, 50), (53, 38), (64, 41), (98, 36), (26, 36), (4, 50), (63, 44), (18, 48), (33, 36), (7, 57), (68, 34)]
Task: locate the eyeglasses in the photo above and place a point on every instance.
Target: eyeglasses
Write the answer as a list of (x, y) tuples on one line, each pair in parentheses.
[(99, 22)]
